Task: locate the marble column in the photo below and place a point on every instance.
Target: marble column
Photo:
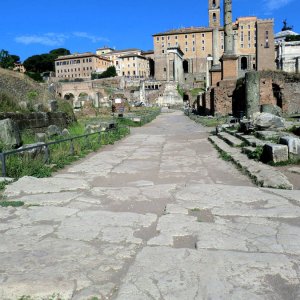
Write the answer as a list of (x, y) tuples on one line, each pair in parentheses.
[(216, 47), (228, 27)]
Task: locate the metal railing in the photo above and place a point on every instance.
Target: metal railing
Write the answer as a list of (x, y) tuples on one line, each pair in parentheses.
[(45, 146)]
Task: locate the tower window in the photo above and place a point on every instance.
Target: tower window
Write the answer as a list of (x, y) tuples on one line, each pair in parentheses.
[(214, 17), (214, 4)]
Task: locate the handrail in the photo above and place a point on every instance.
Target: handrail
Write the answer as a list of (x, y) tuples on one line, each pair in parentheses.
[(46, 146)]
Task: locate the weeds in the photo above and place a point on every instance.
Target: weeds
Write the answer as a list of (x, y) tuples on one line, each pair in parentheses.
[(4, 203)]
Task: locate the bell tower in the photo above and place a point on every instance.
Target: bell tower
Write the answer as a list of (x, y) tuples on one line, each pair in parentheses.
[(214, 13)]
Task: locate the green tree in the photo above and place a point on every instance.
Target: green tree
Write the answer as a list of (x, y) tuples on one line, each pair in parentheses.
[(110, 72), (44, 62), (7, 60)]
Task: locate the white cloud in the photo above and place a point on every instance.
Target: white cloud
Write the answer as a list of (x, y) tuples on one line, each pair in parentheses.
[(272, 5), (48, 39), (56, 39), (92, 38)]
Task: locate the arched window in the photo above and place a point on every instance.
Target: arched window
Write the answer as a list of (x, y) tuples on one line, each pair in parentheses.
[(244, 63), (214, 17), (214, 4), (185, 66)]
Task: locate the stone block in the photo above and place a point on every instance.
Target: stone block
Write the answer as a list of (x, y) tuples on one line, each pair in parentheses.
[(40, 137), (65, 132), (32, 153), (53, 130), (9, 133), (38, 107), (293, 144), (267, 120), (23, 105), (272, 109), (53, 106), (267, 135), (275, 153)]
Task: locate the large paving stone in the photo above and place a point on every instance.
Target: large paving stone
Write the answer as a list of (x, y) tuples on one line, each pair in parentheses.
[(32, 185), (206, 274)]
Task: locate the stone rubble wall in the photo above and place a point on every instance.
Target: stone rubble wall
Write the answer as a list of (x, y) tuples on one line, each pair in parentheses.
[(38, 121), (20, 87)]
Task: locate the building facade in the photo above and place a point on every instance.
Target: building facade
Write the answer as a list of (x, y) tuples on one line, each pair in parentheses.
[(80, 65), (252, 43), (287, 52), (128, 62)]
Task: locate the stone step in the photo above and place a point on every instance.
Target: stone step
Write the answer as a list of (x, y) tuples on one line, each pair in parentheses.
[(230, 139), (263, 175), (248, 150), (250, 139)]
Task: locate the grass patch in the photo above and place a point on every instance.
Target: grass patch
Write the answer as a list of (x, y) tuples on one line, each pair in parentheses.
[(208, 121), (4, 203), (291, 161), (256, 154)]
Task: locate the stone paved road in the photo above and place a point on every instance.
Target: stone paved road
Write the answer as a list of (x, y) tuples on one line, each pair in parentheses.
[(155, 216)]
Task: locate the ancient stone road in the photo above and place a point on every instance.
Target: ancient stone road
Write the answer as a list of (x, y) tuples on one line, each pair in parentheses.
[(156, 216)]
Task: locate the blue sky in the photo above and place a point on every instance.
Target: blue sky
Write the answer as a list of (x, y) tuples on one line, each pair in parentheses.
[(38, 26)]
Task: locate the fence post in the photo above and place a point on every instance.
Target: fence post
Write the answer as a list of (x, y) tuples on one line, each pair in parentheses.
[(87, 141), (71, 147), (47, 154), (3, 163), (99, 137)]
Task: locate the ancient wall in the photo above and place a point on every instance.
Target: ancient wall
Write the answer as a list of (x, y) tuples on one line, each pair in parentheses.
[(281, 89), (38, 121), (223, 94)]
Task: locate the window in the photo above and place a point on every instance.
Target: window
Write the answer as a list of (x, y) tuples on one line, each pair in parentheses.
[(242, 45), (176, 37), (193, 49), (186, 43), (203, 42), (162, 38), (203, 48), (214, 17), (186, 49), (203, 35), (185, 36), (162, 51), (90, 60), (157, 38)]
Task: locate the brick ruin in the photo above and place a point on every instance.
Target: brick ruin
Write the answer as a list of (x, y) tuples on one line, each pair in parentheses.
[(252, 93)]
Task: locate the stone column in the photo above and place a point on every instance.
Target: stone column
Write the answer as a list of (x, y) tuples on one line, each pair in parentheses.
[(216, 47), (228, 26), (252, 93)]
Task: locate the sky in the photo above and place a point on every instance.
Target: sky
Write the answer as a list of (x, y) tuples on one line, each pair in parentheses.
[(39, 26)]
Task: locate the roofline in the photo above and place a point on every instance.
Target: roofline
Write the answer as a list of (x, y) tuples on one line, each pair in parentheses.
[(73, 56), (186, 31)]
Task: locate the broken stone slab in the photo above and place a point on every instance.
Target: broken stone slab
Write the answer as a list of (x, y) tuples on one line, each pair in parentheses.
[(53, 130), (267, 120), (268, 135), (293, 144), (9, 133), (32, 153), (275, 153)]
